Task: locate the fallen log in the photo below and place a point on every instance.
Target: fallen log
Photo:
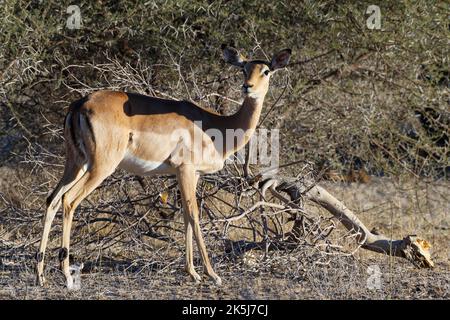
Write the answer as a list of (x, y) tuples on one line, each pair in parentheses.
[(411, 247)]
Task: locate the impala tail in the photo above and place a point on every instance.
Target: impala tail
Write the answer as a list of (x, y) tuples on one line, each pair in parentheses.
[(78, 130), (80, 143)]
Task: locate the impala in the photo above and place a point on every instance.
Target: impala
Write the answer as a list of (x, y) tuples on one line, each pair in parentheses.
[(146, 136)]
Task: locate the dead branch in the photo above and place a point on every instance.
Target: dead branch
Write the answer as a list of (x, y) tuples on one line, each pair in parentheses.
[(410, 247)]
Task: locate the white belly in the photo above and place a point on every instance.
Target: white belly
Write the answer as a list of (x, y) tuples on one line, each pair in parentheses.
[(143, 167)]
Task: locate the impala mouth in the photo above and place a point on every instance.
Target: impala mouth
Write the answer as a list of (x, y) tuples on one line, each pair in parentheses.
[(247, 92)]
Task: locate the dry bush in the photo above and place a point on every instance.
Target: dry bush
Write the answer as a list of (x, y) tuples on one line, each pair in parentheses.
[(351, 99), (356, 98)]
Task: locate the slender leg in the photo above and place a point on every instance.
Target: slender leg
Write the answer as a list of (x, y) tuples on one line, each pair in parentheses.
[(48, 219), (71, 200), (53, 204), (189, 249), (187, 180)]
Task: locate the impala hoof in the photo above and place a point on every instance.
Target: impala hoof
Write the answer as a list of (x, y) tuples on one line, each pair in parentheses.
[(217, 280), (195, 277), (72, 285), (69, 282), (73, 281)]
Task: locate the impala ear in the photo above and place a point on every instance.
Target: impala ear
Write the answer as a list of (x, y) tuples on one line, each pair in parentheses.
[(280, 59), (232, 56)]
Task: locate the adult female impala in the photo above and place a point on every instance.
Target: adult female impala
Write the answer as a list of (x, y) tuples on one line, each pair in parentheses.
[(146, 135)]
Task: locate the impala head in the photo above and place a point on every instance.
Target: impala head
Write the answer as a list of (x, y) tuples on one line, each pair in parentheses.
[(256, 72)]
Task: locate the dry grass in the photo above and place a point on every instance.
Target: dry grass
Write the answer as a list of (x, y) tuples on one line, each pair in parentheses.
[(142, 267)]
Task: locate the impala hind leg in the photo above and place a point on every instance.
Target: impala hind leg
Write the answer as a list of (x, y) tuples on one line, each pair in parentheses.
[(72, 173), (187, 180), (71, 200)]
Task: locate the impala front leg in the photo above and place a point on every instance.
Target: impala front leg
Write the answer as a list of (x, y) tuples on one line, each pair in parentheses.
[(189, 249), (187, 180)]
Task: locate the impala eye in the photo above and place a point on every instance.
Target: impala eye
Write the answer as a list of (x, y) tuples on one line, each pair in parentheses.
[(267, 72)]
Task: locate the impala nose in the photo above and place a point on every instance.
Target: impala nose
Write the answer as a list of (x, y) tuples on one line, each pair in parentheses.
[(246, 86)]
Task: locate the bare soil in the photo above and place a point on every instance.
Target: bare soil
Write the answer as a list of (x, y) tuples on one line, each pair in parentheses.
[(393, 207)]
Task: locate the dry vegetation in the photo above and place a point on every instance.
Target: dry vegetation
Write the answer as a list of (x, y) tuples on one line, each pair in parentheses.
[(353, 100)]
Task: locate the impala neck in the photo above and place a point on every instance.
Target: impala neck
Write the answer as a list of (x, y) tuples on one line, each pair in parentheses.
[(243, 124)]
